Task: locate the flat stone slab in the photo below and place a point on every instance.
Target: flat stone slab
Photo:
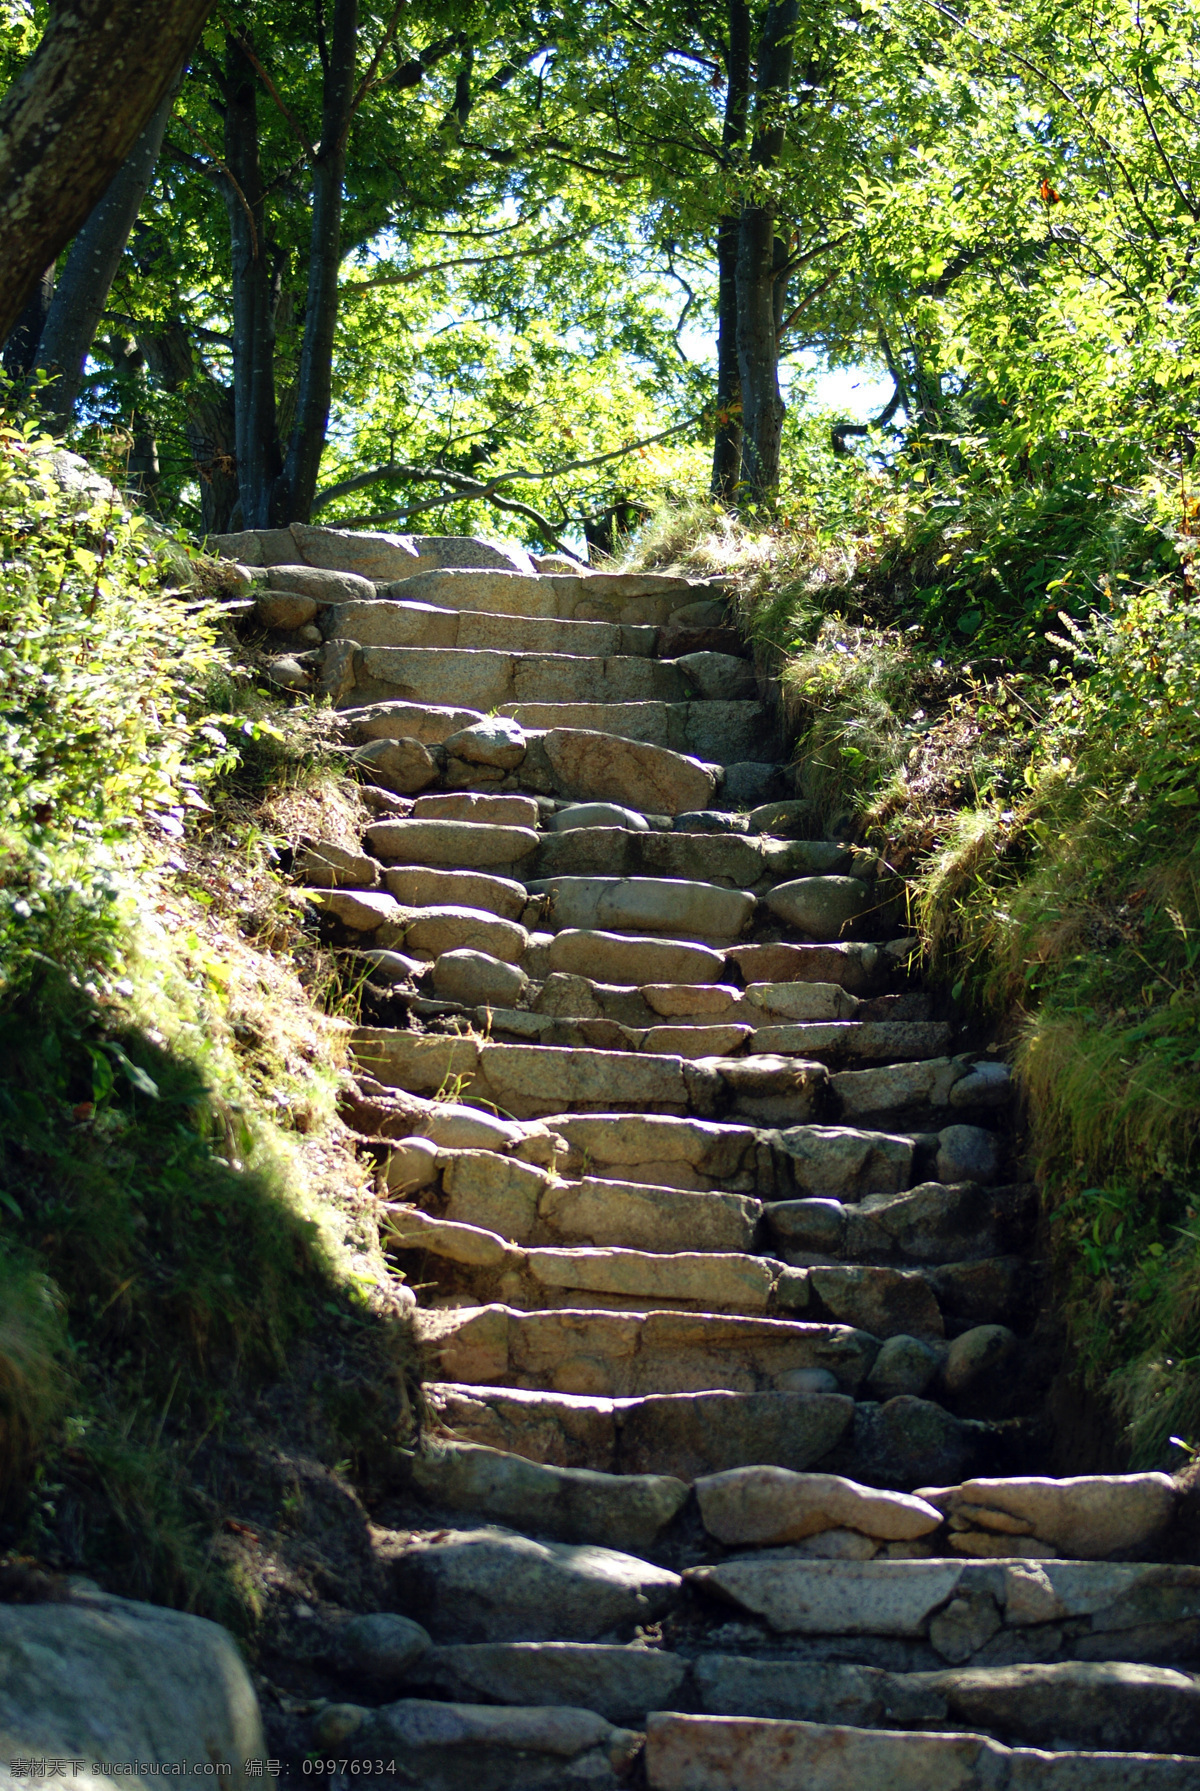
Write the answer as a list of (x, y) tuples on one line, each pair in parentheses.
[(450, 845), (768, 1505), (658, 1143), (716, 1753), (425, 887), (620, 1683), (592, 766), (647, 905), (857, 966), (685, 1435), (494, 1585), (805, 1597), (622, 1354), (486, 679), (478, 1747), (384, 623), (621, 1511), (642, 1217), (630, 958), (1088, 1516)]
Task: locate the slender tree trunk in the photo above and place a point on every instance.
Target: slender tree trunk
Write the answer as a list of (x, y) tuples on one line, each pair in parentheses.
[(315, 387), (71, 118), (257, 270), (20, 351), (210, 426), (727, 445), (85, 282), (759, 298), (143, 472)]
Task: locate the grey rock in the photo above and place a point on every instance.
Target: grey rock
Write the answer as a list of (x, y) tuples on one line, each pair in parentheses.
[(496, 740), (965, 1626), (719, 677), (832, 1598), (910, 1442), (967, 1154), (285, 610), (709, 820), (620, 1511), (1082, 1704), (815, 1691), (749, 782), (321, 585), (696, 1753), (323, 865), (812, 1225), (844, 1163), (479, 1747), (826, 908), (598, 814), (114, 1681), (986, 1085), (476, 978), (976, 1352), (289, 674), (620, 1683), (689, 1434), (404, 766), (383, 1646), (492, 1585), (903, 1365), (786, 819)]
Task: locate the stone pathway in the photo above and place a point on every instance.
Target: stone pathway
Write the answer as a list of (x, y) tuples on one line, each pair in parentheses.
[(721, 1260)]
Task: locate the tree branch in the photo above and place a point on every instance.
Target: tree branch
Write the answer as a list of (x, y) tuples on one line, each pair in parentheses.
[(411, 275)]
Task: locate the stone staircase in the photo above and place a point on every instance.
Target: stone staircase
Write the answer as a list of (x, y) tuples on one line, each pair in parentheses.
[(721, 1258)]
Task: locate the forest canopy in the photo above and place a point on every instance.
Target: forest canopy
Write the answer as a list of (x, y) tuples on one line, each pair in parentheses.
[(460, 265)]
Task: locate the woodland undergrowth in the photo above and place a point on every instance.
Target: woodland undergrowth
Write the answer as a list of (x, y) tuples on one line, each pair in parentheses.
[(999, 685), (190, 1279)]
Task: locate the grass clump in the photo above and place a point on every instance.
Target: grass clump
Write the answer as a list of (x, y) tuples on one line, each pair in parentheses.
[(180, 1229)]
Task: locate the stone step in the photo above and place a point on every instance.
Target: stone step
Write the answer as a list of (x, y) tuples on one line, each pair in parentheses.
[(637, 598), (1058, 1706), (861, 967), (476, 1747), (480, 1266), (693, 1434), (530, 1081), (366, 555), (621, 1511), (623, 1354), (929, 1223), (739, 861), (671, 905), (918, 1614), (820, 1042), (721, 733), (726, 733), (489, 678), (395, 624), (720, 1753), (574, 765)]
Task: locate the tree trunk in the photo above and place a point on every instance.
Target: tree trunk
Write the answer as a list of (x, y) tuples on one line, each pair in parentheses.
[(727, 445), (85, 282), (315, 387), (760, 287), (758, 354), (71, 118), (20, 351), (257, 271), (210, 427), (143, 472)]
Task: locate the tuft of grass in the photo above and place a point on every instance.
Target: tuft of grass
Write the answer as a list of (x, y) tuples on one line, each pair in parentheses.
[(32, 1380)]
